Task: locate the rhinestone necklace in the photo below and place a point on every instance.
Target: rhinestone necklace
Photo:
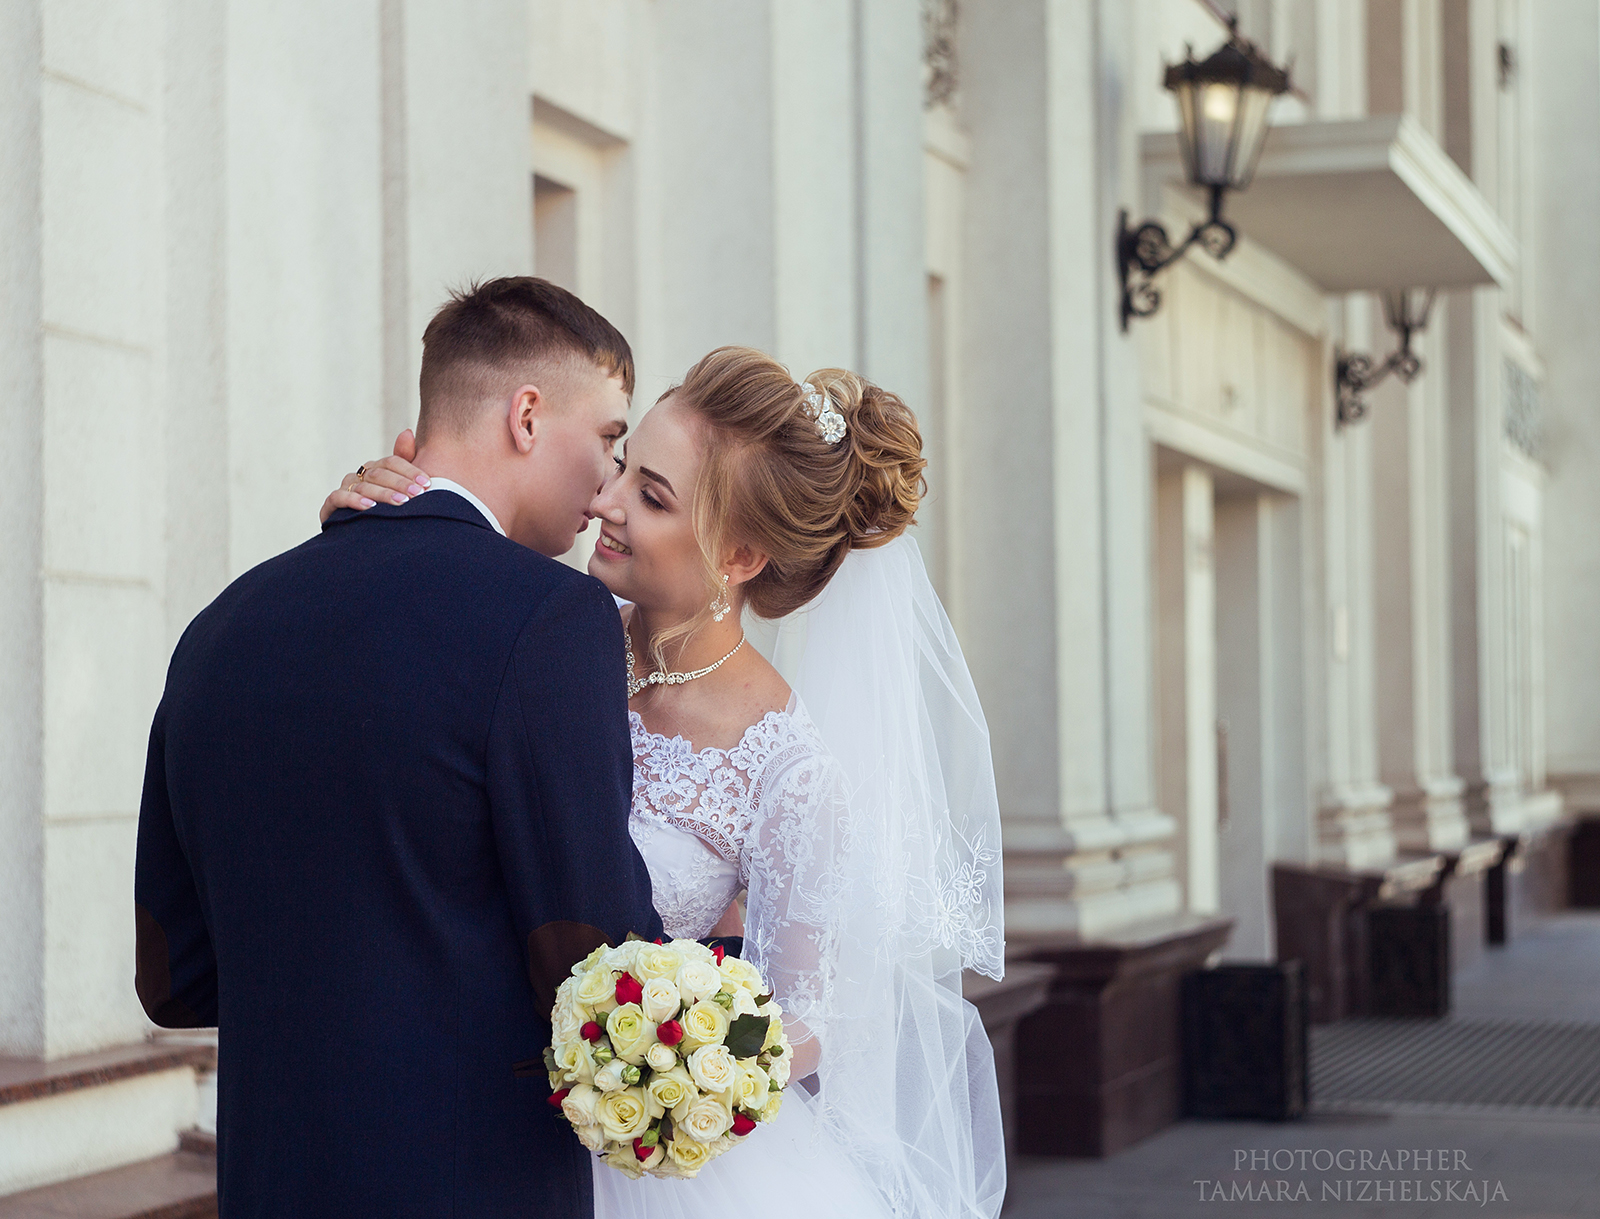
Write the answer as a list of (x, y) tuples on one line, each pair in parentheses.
[(658, 678)]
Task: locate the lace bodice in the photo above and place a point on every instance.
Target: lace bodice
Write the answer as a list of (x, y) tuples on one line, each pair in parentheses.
[(693, 811)]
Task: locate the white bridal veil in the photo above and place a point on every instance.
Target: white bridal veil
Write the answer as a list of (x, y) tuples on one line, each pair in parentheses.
[(898, 890)]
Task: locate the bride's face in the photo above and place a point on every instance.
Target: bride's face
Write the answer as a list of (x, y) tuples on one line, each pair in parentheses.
[(647, 551)]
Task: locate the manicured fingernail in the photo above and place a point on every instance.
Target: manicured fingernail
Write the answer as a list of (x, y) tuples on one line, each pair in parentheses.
[(413, 489), (367, 503), (424, 480), (400, 499)]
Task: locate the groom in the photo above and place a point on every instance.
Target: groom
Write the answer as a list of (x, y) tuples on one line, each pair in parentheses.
[(390, 772)]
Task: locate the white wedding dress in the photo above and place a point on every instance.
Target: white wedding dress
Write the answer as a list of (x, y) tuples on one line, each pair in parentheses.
[(866, 840), (693, 813)]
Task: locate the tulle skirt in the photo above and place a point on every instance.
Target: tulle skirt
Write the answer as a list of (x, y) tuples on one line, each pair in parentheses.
[(788, 1168)]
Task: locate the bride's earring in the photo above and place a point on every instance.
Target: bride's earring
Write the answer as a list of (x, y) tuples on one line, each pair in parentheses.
[(721, 607)]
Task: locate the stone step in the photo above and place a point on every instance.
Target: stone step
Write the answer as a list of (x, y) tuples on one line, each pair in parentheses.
[(182, 1185), (66, 1119), (25, 1079)]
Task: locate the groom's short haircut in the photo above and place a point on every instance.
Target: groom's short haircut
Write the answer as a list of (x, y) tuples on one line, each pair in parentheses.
[(491, 337)]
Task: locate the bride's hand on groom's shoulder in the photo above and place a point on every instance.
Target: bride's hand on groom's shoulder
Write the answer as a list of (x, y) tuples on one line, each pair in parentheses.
[(393, 480)]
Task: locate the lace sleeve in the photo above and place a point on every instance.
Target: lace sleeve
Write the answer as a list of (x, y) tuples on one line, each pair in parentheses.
[(793, 879)]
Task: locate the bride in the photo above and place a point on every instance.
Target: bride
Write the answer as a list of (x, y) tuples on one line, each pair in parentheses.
[(806, 734)]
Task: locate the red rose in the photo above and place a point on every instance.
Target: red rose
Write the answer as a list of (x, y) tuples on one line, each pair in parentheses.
[(669, 1033), (557, 1097), (591, 1031), (628, 989), (718, 951), (640, 1150), (742, 1125)]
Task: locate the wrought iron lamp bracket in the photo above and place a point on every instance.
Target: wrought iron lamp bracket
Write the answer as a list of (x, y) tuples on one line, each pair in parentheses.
[(1144, 252), (1355, 373)]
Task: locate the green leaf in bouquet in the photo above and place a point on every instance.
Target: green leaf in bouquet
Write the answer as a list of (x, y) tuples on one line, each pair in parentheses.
[(774, 1086), (632, 935), (665, 1128), (763, 1000), (747, 1034), (550, 1058)]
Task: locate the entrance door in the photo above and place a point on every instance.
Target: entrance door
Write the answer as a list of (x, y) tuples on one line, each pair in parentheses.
[(1229, 680)]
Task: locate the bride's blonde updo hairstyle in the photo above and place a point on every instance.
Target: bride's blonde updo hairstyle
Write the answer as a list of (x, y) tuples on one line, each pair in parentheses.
[(770, 480)]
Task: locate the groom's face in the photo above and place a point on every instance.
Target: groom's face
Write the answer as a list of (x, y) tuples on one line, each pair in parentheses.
[(584, 414)]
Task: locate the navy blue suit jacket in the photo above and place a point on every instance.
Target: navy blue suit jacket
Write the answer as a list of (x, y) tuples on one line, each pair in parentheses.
[(383, 760)]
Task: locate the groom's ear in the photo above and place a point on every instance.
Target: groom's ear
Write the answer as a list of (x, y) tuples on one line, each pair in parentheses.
[(523, 413)]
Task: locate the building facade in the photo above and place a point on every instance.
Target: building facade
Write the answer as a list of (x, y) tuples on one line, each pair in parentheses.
[(1247, 670)]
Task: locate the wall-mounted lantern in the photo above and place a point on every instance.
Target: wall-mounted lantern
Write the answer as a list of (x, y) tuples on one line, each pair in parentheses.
[(1222, 104), (1405, 310)]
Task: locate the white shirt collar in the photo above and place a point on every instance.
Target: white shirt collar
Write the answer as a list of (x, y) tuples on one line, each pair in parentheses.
[(446, 484)]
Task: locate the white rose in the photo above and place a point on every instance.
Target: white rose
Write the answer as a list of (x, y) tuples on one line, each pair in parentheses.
[(713, 1068), (705, 1023), (624, 1161), (657, 961), (566, 1020), (698, 980), (589, 962), (580, 1105), (694, 950), (631, 1034), (591, 1137), (705, 1121), (689, 1155), (597, 990), (661, 1000), (624, 955), (742, 973), (575, 1062), (671, 1088), (624, 1114), (661, 1057), (609, 1077), (744, 1003), (752, 1089)]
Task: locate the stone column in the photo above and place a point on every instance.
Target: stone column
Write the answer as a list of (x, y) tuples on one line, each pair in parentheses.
[(1353, 822), (1478, 560), (892, 274), (1048, 756), (1413, 596), (199, 501), (92, 536), (1057, 528), (454, 163), (22, 948), (1565, 45)]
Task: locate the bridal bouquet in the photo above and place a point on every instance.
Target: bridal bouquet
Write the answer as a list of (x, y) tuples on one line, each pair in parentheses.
[(665, 1055)]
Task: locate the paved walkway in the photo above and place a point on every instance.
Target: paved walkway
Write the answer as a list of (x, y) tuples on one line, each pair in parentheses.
[(1512, 1163)]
